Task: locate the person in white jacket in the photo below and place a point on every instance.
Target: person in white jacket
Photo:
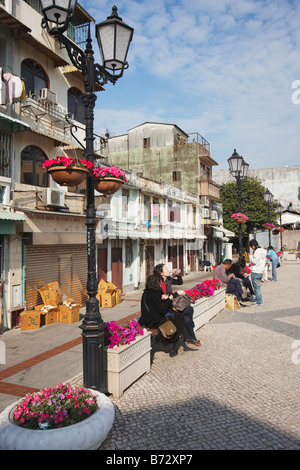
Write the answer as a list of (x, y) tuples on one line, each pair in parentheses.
[(258, 259)]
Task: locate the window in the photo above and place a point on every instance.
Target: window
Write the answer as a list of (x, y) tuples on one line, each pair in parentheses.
[(155, 210), (34, 77), (147, 209), (32, 173), (75, 104), (128, 254), (174, 212), (125, 201), (176, 175), (204, 172), (146, 143)]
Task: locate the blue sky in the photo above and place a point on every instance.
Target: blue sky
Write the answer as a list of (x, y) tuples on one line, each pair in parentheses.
[(223, 68)]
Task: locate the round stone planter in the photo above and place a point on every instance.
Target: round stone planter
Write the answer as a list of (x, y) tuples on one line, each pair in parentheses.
[(109, 185), (86, 435), (68, 176)]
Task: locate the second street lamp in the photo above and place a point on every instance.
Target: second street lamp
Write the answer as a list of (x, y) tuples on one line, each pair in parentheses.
[(268, 197), (239, 169), (114, 38)]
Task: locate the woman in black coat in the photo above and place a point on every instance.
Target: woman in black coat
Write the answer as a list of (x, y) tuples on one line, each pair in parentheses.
[(155, 304)]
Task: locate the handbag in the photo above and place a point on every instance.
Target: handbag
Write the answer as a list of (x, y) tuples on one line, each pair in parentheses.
[(181, 302), (231, 302), (167, 329)]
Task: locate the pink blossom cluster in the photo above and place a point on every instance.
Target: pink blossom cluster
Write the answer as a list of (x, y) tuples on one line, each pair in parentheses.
[(104, 172), (239, 215), (125, 334), (56, 407), (67, 162), (269, 226)]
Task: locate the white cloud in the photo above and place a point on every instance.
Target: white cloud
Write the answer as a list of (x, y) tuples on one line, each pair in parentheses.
[(221, 68)]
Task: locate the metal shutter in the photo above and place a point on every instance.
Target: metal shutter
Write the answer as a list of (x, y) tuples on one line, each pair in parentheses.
[(66, 264)]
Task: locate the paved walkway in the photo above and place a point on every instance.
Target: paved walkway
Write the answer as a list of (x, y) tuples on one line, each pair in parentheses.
[(239, 390)]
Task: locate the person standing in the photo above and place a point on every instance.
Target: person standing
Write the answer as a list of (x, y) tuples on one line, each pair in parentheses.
[(275, 262), (258, 259)]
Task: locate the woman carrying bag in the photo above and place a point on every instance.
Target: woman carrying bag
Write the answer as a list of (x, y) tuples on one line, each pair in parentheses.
[(155, 305)]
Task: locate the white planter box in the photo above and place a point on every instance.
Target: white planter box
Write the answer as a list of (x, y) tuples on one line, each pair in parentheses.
[(289, 256), (125, 364), (207, 307)]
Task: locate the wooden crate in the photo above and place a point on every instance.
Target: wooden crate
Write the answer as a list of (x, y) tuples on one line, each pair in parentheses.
[(30, 320)]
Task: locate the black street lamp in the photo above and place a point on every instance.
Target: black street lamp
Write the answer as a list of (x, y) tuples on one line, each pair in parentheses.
[(239, 169), (114, 38), (280, 210), (268, 197)]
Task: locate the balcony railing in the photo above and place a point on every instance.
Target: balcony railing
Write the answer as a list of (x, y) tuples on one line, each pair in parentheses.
[(209, 188)]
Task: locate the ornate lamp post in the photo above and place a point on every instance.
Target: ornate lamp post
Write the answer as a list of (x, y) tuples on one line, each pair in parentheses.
[(114, 38), (239, 169), (268, 197), (280, 210)]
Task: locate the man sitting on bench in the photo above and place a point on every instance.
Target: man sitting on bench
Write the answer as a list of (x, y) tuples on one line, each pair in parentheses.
[(232, 284)]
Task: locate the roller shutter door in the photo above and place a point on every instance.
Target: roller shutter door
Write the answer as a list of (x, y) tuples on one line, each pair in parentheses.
[(66, 264)]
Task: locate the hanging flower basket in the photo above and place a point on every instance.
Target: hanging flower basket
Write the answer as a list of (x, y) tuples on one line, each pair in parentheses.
[(108, 180), (68, 176), (269, 226), (67, 171), (280, 229), (240, 218)]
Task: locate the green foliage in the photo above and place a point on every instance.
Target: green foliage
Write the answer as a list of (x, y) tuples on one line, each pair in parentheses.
[(253, 205)]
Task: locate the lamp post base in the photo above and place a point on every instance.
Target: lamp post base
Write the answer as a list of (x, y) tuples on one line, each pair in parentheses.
[(94, 357)]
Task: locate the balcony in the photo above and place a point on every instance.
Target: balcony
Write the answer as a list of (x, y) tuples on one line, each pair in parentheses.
[(209, 188)]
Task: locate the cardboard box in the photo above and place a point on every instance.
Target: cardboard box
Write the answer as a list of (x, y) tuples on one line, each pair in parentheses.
[(111, 286), (102, 287), (48, 313), (108, 300), (48, 296), (69, 314), (30, 320), (118, 296), (56, 291)]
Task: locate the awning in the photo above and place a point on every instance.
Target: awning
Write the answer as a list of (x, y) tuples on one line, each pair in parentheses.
[(226, 232), (15, 216), (289, 218), (12, 124), (6, 215)]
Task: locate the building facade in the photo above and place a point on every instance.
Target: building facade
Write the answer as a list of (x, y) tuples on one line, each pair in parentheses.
[(164, 152), (42, 224)]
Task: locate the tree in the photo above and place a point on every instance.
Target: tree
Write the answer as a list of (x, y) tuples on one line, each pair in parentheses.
[(253, 205)]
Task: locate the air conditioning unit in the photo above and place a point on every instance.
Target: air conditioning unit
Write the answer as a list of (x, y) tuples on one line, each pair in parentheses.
[(205, 201), (214, 215), (206, 213), (48, 96), (55, 197)]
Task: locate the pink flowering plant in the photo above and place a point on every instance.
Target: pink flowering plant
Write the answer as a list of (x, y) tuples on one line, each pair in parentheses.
[(269, 226), (103, 172), (239, 215), (116, 335), (68, 163), (55, 407)]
